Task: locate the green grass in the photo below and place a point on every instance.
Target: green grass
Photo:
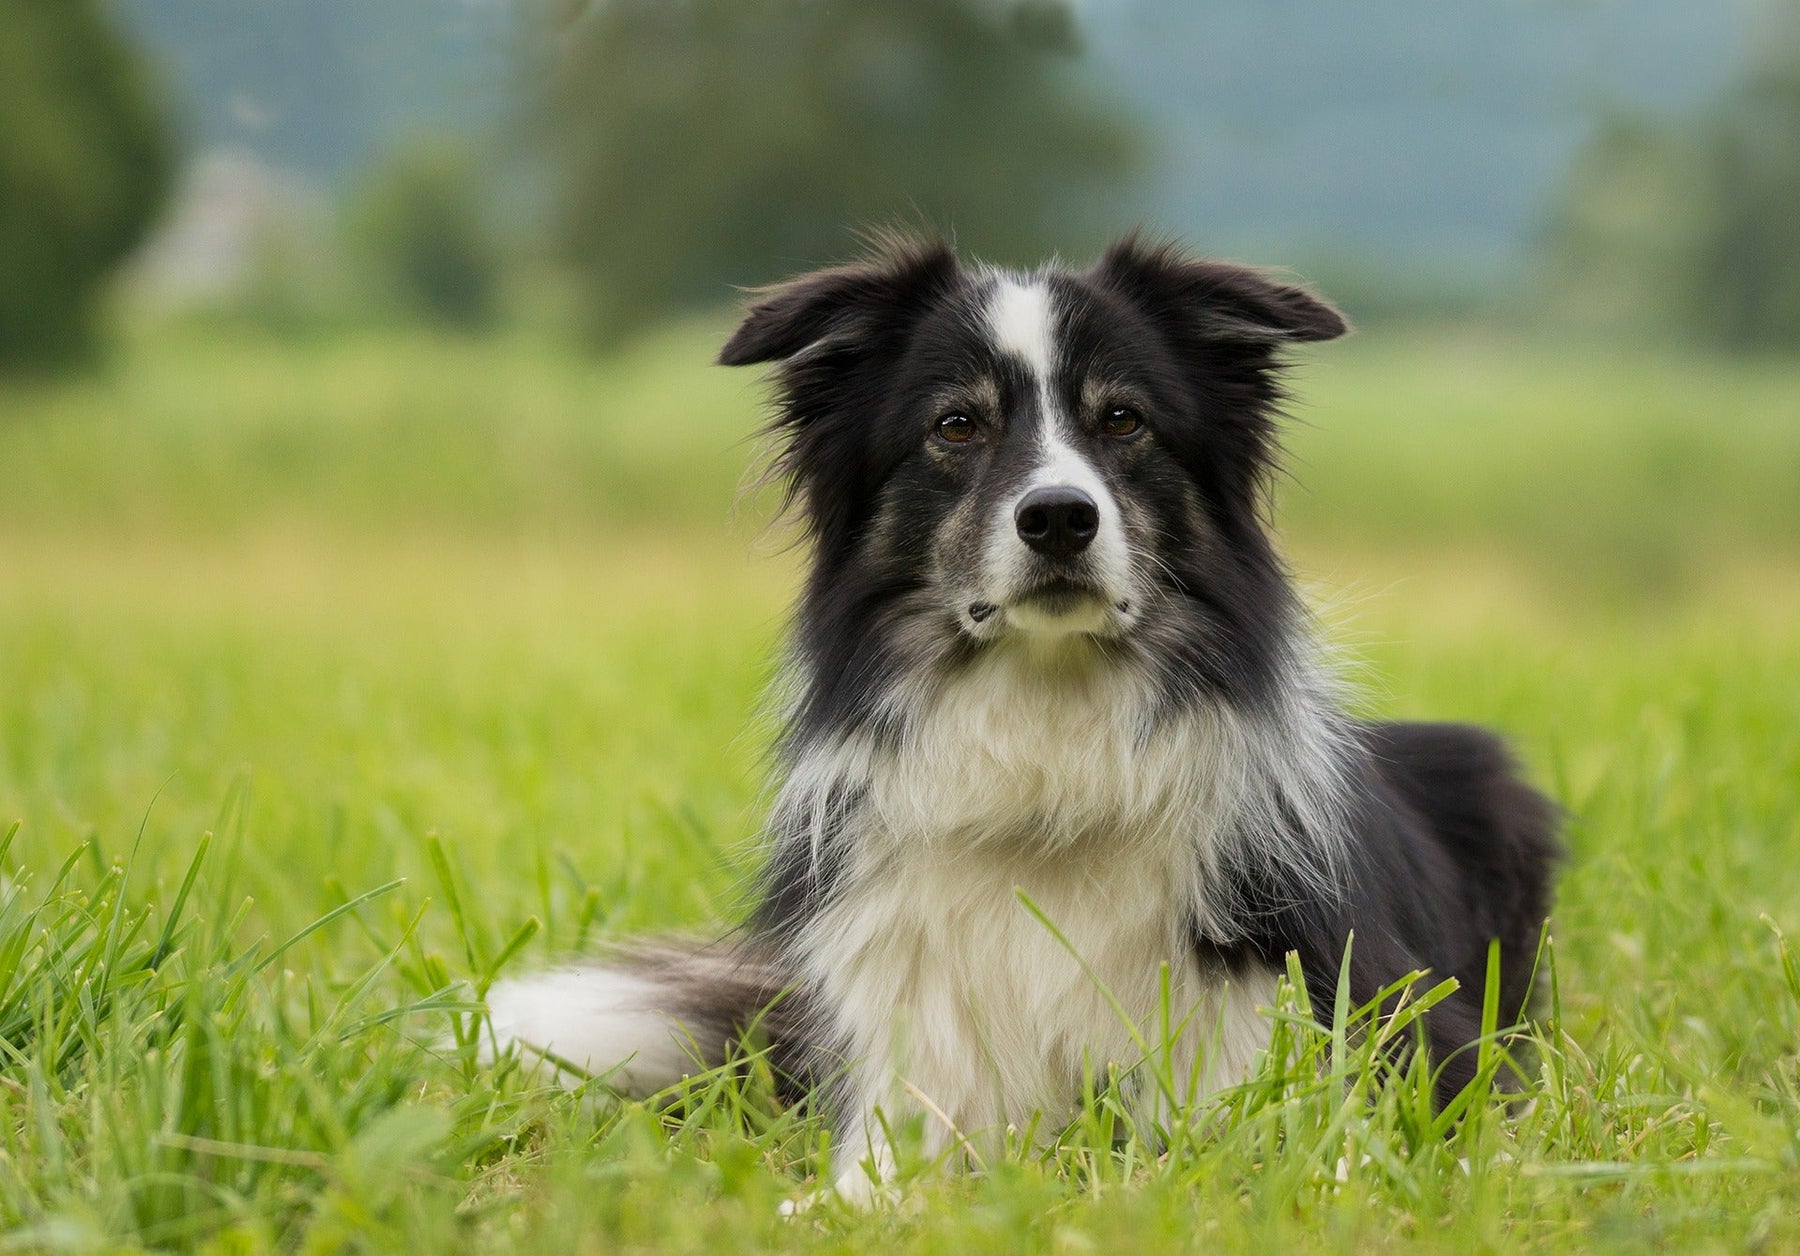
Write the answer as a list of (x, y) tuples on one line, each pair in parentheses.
[(431, 641)]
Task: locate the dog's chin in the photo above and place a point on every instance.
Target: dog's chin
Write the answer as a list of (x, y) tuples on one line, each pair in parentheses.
[(1050, 611)]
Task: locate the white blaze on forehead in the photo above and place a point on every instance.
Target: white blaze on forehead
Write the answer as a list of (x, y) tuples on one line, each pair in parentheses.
[(1021, 322)]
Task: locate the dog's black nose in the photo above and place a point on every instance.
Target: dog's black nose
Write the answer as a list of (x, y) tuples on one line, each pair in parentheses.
[(1057, 522)]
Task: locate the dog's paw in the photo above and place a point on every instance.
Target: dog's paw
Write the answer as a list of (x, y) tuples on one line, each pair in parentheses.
[(855, 1189)]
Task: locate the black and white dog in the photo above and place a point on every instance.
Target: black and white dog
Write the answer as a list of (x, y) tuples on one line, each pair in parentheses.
[(1047, 646)]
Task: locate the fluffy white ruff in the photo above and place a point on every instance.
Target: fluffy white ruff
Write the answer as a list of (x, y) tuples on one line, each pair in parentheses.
[(955, 1004), (606, 1022), (1052, 750)]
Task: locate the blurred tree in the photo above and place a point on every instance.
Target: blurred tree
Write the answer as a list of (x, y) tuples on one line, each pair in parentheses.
[(1748, 290), (85, 162), (1694, 229), (422, 226), (701, 143)]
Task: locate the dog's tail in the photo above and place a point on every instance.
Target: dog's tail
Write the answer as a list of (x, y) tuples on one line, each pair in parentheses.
[(645, 1016)]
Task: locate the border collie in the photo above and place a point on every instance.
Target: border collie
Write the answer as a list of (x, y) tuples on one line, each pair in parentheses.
[(1047, 650)]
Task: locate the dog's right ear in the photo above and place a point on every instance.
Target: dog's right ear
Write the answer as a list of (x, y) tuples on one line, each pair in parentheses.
[(858, 300), (1220, 302)]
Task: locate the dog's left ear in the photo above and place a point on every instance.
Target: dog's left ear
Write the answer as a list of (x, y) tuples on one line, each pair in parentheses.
[(1220, 301), (843, 302)]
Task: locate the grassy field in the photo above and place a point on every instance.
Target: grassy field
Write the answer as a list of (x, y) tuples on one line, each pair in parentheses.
[(336, 678)]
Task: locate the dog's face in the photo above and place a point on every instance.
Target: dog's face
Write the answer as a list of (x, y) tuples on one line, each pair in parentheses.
[(1051, 457)]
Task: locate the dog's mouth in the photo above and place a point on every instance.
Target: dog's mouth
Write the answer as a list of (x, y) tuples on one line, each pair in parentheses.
[(1061, 596), (1059, 604)]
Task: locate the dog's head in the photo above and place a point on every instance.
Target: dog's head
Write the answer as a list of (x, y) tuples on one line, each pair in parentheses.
[(1058, 457)]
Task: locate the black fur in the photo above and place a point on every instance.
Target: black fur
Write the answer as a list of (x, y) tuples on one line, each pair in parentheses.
[(1451, 850), (1448, 848), (917, 406)]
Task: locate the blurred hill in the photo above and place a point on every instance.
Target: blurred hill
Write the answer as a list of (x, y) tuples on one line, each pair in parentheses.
[(1391, 134), (1428, 137)]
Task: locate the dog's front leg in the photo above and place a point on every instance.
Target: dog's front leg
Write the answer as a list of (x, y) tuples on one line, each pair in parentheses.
[(874, 1104), (862, 1165), (862, 1162)]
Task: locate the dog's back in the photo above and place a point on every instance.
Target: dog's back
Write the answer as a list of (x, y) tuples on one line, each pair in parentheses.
[(1499, 836)]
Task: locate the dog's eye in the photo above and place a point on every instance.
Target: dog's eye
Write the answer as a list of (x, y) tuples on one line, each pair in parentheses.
[(956, 428), (1121, 421)]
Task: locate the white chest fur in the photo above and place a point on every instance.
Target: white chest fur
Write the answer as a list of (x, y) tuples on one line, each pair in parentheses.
[(951, 996), (956, 999)]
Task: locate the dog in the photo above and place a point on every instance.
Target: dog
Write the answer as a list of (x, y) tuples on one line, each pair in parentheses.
[(1061, 754)]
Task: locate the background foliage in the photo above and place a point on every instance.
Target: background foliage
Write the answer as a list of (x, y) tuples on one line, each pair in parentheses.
[(1687, 227), (423, 226), (795, 121), (85, 160)]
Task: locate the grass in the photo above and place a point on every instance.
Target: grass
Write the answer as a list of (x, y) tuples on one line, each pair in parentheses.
[(334, 679)]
